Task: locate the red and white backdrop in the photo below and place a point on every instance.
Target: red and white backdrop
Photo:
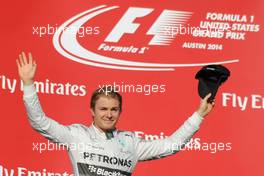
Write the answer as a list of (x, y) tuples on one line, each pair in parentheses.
[(150, 50)]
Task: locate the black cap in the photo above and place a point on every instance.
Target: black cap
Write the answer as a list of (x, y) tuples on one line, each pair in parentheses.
[(210, 78)]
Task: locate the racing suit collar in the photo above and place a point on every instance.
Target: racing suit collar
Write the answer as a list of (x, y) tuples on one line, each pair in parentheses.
[(102, 134)]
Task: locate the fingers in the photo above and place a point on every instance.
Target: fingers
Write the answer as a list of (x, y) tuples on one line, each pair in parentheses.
[(34, 63), (18, 64), (30, 58), (205, 106), (213, 103), (207, 96), (206, 99), (24, 58), (21, 63)]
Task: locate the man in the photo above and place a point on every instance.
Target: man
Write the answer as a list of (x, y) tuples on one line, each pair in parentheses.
[(107, 150)]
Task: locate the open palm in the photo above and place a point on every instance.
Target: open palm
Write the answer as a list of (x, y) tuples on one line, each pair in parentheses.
[(26, 68)]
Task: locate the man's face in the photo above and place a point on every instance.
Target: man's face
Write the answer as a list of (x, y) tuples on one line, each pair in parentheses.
[(106, 113)]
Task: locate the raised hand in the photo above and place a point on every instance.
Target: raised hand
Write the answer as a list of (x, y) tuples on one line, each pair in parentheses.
[(26, 68), (205, 106)]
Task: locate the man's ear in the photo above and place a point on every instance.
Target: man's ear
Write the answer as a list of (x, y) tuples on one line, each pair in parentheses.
[(92, 112)]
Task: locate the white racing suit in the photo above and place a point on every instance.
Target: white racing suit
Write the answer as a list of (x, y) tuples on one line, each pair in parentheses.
[(97, 155)]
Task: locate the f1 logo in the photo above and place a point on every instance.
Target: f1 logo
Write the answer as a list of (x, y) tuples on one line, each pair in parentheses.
[(161, 29)]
